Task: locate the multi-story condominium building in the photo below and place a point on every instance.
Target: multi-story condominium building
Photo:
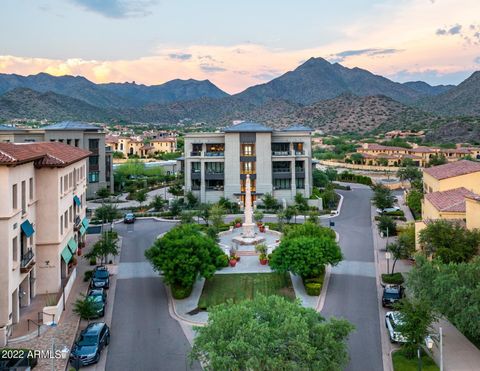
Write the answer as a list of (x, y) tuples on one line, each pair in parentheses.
[(279, 162), (376, 154), (42, 222), (136, 146), (76, 134), (452, 192)]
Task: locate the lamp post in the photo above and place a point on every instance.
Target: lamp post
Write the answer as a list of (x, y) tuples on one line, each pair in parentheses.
[(388, 256), (441, 348)]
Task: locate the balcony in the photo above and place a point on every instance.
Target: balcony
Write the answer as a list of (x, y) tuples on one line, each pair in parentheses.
[(77, 224), (196, 153), (196, 174), (299, 152), (281, 173), (280, 153), (214, 174), (27, 262), (215, 154), (299, 172)]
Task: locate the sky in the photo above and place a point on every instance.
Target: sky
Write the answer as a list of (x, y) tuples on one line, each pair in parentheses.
[(237, 44)]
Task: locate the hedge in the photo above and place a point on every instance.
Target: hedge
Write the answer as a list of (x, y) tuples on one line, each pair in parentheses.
[(394, 279), (180, 292)]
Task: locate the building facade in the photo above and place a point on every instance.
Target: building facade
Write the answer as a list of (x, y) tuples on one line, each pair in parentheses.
[(42, 222), (76, 134), (142, 147), (278, 162)]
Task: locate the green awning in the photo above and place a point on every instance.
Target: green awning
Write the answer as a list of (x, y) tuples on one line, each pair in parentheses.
[(72, 245), (85, 223), (27, 228), (66, 254), (82, 230), (77, 201)]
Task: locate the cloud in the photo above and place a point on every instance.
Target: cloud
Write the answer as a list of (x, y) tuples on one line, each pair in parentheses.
[(117, 8), (477, 60), (180, 56), (209, 68), (341, 56), (452, 30)]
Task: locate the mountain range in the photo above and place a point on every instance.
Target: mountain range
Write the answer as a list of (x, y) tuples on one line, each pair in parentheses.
[(318, 93)]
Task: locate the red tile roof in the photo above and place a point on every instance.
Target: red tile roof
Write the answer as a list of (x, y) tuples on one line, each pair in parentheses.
[(453, 169), (45, 154), (452, 200)]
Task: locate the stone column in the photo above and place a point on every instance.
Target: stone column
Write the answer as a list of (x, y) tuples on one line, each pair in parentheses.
[(248, 225)]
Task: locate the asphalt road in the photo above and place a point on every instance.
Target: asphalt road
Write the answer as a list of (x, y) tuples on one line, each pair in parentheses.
[(352, 292), (144, 336)]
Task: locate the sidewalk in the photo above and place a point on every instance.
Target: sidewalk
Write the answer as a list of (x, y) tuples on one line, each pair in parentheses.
[(63, 335)]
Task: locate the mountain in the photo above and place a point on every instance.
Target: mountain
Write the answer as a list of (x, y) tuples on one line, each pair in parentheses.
[(462, 100), (30, 104), (112, 95), (456, 131), (427, 89), (317, 80), (172, 91)]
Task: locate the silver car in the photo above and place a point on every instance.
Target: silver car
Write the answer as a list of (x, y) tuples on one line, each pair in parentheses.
[(392, 320)]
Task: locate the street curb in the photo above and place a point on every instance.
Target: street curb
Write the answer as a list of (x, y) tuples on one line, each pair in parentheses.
[(173, 310)]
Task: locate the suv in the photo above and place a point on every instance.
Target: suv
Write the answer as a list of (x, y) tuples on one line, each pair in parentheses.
[(129, 218), (391, 295), (98, 292), (89, 345), (100, 278)]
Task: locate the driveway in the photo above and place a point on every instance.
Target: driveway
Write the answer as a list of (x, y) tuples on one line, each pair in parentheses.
[(144, 336), (352, 291)]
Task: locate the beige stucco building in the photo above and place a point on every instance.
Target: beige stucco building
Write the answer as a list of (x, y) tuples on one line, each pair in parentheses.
[(452, 192), (42, 222), (76, 134), (279, 162), (138, 147)]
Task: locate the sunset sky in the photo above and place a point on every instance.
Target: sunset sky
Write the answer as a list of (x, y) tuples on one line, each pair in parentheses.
[(236, 44)]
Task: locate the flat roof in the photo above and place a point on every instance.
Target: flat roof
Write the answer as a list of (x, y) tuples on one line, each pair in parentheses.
[(248, 126)]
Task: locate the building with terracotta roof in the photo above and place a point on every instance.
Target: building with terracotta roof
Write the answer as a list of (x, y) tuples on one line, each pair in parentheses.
[(452, 192), (43, 189), (143, 148)]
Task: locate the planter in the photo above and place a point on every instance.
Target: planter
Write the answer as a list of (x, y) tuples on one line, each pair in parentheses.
[(259, 224), (263, 261), (237, 258), (232, 262), (261, 229), (238, 225), (79, 252)]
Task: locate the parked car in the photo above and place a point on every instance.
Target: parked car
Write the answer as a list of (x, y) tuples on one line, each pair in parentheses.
[(98, 292), (129, 218), (90, 343), (392, 320), (99, 304), (391, 295), (100, 278), (388, 210)]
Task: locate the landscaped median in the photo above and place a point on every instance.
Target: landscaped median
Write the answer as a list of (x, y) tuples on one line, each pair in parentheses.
[(402, 363)]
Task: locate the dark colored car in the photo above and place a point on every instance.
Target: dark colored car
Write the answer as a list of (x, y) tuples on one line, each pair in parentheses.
[(89, 345), (391, 295), (100, 278), (129, 218), (98, 292), (99, 304)]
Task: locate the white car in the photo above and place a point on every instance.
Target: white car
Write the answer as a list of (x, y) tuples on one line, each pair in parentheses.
[(392, 320), (388, 210)]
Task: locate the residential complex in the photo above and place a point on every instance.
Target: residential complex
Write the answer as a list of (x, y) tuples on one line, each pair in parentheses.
[(376, 154), (76, 134), (142, 147), (452, 192), (42, 222), (279, 162)]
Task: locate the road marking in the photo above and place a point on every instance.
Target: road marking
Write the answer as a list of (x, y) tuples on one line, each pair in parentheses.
[(135, 270), (355, 268)]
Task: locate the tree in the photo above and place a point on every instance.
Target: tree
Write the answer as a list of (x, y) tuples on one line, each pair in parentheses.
[(452, 289), (192, 200), (103, 193), (306, 250), (203, 212), (141, 196), (85, 308), (271, 333), (410, 173), (118, 155), (270, 202), (436, 160), (176, 189), (416, 318), (183, 254), (320, 178), (301, 203), (217, 214), (387, 225), (382, 161), (449, 241), (331, 174), (133, 168), (105, 246), (157, 203), (258, 216), (414, 202), (382, 197), (291, 212), (404, 247), (107, 213), (186, 217), (357, 158)]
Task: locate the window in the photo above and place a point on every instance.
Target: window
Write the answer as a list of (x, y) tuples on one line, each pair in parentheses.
[(214, 167), (300, 183), (196, 167), (281, 166), (61, 224), (60, 140), (65, 219), (93, 161), (93, 144), (196, 184), (24, 197), (247, 149), (281, 184), (14, 197), (61, 186), (15, 249), (70, 180), (70, 214), (30, 189), (93, 176), (281, 149), (77, 142), (214, 185), (247, 167), (65, 183)]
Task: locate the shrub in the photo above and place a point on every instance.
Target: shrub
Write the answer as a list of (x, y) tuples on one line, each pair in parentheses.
[(180, 292), (87, 276), (313, 289), (221, 261), (394, 279), (395, 213), (92, 261)]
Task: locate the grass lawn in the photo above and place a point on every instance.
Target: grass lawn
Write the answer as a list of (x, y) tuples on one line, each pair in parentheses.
[(239, 287), (401, 363)]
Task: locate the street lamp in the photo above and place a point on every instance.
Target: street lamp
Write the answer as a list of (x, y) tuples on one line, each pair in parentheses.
[(388, 256), (429, 344)]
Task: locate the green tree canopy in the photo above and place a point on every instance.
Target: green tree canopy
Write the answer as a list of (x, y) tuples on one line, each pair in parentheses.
[(436, 160), (449, 241), (183, 254), (85, 308), (404, 247), (271, 333), (107, 213), (410, 173), (103, 192), (105, 246), (382, 197), (270, 202), (414, 202)]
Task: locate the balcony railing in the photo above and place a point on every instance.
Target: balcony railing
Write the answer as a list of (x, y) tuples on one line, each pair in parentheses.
[(196, 171), (26, 261), (281, 153), (278, 171), (299, 153), (214, 154), (196, 153)]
